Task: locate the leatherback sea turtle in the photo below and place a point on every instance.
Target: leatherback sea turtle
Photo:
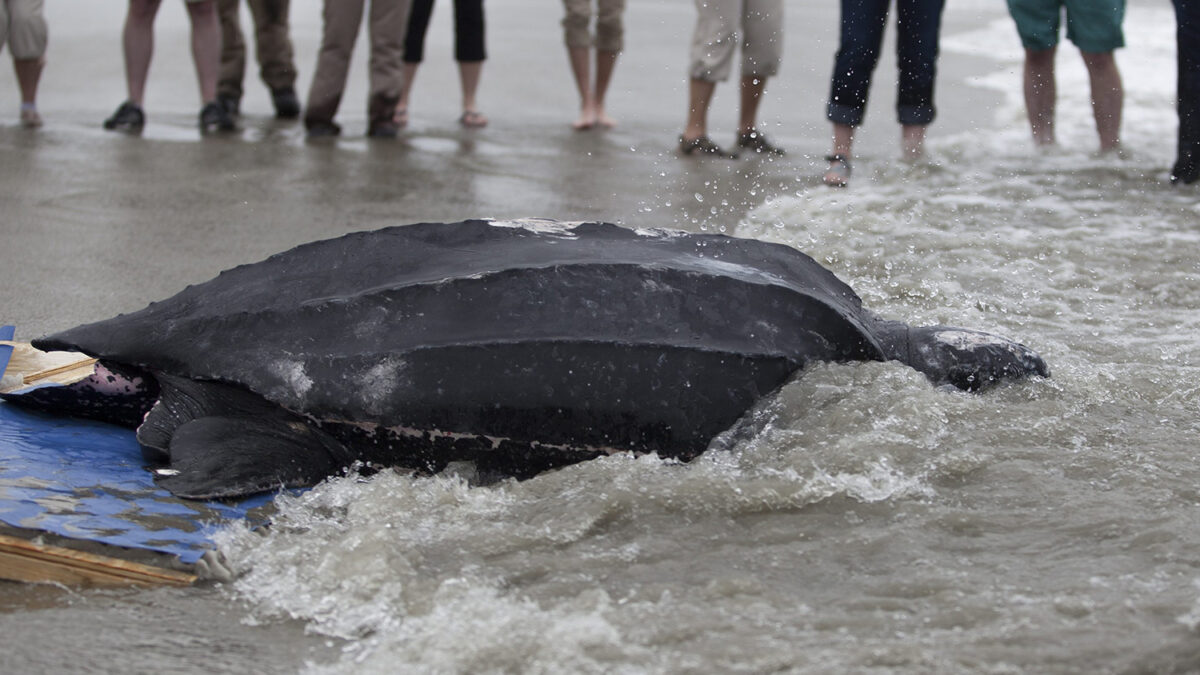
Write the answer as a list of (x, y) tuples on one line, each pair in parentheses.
[(520, 346)]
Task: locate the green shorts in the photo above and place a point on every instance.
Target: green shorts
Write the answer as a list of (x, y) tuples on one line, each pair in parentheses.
[(1093, 25)]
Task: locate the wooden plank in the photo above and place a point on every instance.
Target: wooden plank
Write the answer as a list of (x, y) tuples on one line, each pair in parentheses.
[(84, 365), (23, 560), (29, 365)]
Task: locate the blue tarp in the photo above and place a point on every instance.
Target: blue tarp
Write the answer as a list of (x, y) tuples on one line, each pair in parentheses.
[(87, 480), (6, 333)]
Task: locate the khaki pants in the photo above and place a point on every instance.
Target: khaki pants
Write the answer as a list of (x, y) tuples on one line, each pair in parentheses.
[(24, 27), (610, 31), (387, 21), (273, 47), (721, 24)]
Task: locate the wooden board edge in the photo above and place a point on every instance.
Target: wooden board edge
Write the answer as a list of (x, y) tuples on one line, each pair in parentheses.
[(28, 365), (35, 562)]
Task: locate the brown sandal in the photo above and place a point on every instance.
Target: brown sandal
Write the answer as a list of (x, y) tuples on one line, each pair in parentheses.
[(473, 119), (702, 145)]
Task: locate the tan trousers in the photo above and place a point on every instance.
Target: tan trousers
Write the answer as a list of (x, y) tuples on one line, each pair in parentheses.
[(273, 47), (610, 30), (23, 26), (721, 24), (387, 22)]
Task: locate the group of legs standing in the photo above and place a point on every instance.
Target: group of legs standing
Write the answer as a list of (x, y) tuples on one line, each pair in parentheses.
[(605, 39), (469, 52), (1094, 26), (137, 40), (594, 37), (757, 25), (219, 55)]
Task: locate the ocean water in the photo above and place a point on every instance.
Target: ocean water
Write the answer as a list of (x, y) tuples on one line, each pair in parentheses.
[(872, 523)]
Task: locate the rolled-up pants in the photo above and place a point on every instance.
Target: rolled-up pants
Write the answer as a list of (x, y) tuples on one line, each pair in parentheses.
[(23, 26), (387, 22), (917, 33), (721, 24), (469, 31), (610, 28)]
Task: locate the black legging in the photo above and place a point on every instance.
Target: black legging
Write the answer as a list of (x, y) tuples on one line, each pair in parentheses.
[(468, 30), (1187, 164)]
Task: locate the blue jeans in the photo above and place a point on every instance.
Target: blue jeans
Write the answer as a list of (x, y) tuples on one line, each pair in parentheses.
[(863, 21), (1187, 164)]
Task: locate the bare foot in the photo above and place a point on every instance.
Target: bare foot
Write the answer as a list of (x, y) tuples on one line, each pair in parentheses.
[(605, 121), (401, 117), (1116, 150), (587, 120)]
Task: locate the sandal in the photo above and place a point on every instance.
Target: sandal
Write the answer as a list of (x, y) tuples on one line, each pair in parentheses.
[(702, 145), (838, 174), (755, 140), (473, 119)]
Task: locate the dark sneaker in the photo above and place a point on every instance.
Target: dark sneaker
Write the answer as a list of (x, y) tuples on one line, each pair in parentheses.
[(322, 128), (231, 104), (383, 129), (128, 118), (703, 146), (214, 117), (287, 105), (756, 141)]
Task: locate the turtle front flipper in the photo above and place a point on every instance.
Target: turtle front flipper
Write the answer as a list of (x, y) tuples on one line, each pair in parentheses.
[(219, 441), (968, 359)]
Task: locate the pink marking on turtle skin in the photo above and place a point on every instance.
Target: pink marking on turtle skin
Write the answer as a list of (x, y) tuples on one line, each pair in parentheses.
[(106, 382)]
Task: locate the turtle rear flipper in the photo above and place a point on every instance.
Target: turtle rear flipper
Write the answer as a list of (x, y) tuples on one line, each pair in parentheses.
[(220, 441)]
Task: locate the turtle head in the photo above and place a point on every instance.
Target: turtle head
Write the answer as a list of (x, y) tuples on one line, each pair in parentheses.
[(968, 359)]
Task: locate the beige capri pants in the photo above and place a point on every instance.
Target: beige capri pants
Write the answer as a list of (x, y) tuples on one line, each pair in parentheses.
[(23, 26), (610, 31), (719, 24)]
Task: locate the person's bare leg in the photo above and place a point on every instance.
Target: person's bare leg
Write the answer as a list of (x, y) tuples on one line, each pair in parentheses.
[(28, 72), (206, 46), (837, 175), (606, 63), (410, 76), (469, 73), (1040, 94), (912, 141), (700, 93), (137, 40), (1108, 97), (581, 69), (751, 96)]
